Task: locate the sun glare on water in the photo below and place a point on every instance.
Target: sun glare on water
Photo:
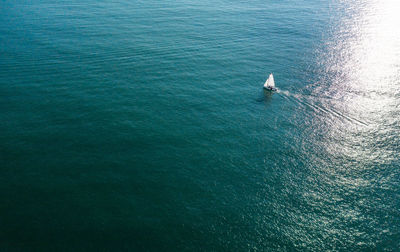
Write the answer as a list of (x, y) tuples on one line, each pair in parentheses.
[(376, 61), (361, 78), (365, 58)]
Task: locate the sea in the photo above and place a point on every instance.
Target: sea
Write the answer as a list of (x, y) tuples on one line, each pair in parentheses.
[(143, 125)]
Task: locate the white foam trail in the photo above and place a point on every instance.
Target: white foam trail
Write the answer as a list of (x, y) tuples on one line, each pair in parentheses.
[(306, 100)]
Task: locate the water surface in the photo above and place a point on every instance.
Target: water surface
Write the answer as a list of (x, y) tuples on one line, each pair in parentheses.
[(142, 125)]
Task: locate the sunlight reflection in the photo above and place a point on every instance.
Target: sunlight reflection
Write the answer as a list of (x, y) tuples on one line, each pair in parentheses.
[(363, 67), (377, 52)]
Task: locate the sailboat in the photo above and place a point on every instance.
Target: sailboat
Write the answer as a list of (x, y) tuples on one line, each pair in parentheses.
[(270, 83)]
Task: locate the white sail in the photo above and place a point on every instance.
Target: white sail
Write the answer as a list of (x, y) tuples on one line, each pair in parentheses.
[(270, 82)]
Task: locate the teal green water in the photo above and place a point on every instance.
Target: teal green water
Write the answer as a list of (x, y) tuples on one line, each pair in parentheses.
[(142, 125)]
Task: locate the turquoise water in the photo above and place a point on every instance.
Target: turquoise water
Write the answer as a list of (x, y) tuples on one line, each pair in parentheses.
[(142, 125)]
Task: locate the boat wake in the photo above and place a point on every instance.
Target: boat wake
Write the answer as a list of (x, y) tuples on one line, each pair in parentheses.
[(307, 101)]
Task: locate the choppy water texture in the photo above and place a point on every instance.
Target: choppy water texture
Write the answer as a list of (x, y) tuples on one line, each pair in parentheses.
[(142, 125)]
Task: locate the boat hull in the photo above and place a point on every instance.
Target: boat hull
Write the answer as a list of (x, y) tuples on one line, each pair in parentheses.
[(270, 88)]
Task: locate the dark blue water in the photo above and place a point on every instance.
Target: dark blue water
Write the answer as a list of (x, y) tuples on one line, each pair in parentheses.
[(142, 125)]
